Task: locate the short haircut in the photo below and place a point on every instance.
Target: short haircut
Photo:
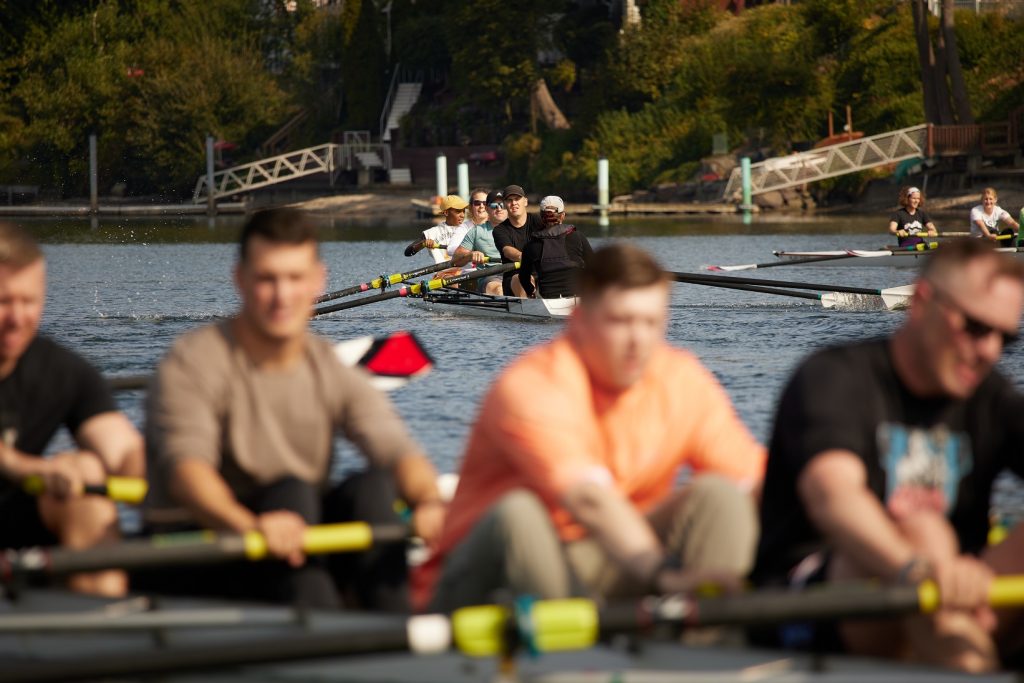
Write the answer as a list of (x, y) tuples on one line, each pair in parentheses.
[(17, 247), (279, 226), (479, 190), (619, 265), (956, 254)]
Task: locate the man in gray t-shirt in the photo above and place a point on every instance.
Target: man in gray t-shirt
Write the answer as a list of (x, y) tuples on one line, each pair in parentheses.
[(240, 425)]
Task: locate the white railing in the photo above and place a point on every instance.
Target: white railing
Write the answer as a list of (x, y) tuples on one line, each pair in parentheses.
[(797, 169), (329, 158), (387, 101), (270, 171)]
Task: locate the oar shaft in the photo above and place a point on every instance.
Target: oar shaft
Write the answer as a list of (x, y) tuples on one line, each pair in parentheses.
[(122, 489), (703, 278), (190, 548), (413, 290), (757, 288), (379, 282)]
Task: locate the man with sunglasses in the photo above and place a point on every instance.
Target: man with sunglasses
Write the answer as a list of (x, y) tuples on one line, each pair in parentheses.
[(890, 448), (478, 244)]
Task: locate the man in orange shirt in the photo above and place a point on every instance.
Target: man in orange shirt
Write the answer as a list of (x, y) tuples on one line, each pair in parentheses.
[(567, 483)]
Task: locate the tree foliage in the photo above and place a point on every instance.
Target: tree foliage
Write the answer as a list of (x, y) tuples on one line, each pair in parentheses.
[(153, 77)]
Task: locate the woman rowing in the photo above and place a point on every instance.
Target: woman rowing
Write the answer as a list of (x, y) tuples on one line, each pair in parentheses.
[(909, 222), (988, 216)]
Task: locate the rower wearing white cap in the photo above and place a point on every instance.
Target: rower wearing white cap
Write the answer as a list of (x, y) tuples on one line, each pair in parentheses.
[(909, 222), (554, 254)]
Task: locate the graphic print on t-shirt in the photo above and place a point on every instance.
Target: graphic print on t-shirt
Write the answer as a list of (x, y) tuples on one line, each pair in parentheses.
[(923, 466)]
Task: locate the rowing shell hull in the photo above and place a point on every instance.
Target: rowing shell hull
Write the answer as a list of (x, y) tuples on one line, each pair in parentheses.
[(502, 307), (863, 258), (264, 628)]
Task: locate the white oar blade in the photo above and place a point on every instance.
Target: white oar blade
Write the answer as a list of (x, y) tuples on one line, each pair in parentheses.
[(844, 301), (898, 298), (745, 266), (865, 253)]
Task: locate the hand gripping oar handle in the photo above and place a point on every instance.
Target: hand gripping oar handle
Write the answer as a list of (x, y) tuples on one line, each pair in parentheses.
[(122, 489), (199, 547)]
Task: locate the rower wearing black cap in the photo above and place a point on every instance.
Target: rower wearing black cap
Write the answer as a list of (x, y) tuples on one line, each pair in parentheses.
[(511, 236)]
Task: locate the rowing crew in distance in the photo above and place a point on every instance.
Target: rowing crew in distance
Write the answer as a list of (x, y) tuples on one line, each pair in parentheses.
[(549, 251), (912, 225)]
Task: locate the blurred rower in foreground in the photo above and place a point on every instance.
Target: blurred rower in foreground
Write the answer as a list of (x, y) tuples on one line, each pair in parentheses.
[(44, 386), (241, 420), (567, 485), (882, 463)]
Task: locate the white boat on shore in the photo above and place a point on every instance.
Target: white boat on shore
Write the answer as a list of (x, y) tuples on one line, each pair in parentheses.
[(461, 303)]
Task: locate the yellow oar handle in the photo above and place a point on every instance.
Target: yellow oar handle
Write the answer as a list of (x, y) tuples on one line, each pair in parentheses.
[(319, 540), (1006, 591), (544, 626), (122, 489), (126, 489)]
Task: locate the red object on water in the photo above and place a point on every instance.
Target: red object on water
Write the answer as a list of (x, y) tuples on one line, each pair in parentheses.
[(398, 355)]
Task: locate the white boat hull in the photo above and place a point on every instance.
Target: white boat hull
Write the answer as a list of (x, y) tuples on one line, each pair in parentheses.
[(504, 307)]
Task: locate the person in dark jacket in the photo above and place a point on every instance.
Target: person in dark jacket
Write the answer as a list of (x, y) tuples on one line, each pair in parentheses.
[(554, 254)]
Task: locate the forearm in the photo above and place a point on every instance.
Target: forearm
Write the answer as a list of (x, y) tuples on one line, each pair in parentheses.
[(511, 253), (618, 528), (462, 257), (16, 466), (854, 521), (416, 479), (201, 489)]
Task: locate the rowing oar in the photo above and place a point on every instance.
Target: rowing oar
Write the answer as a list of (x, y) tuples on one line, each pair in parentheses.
[(122, 489), (775, 264), (385, 281), (416, 289), (491, 630), (853, 253), (892, 297), (190, 548), (392, 360), (840, 300)]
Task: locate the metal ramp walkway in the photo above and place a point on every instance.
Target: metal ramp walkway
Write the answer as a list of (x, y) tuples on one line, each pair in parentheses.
[(330, 158), (797, 169)]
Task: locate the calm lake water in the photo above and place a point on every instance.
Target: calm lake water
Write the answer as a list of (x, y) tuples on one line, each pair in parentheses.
[(121, 292)]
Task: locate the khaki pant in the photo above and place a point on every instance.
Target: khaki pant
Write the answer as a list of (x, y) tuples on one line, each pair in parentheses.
[(708, 524)]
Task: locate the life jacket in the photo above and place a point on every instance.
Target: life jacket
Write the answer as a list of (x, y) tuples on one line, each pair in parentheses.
[(554, 255)]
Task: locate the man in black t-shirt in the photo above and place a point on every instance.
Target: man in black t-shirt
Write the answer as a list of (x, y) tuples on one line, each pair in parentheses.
[(883, 459), (43, 387), (512, 234)]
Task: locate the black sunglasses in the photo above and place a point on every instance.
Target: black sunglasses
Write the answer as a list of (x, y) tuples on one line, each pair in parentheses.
[(479, 202), (973, 327), (496, 205)]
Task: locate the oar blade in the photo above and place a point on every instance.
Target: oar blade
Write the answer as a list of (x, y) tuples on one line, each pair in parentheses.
[(898, 298), (745, 266), (845, 301)]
